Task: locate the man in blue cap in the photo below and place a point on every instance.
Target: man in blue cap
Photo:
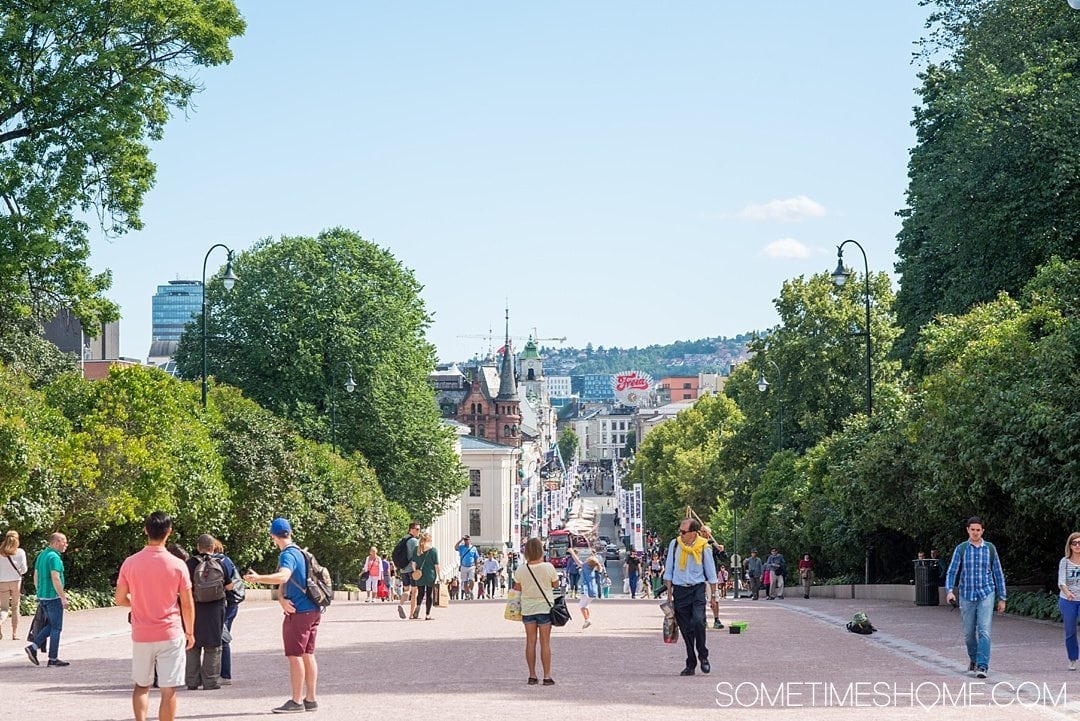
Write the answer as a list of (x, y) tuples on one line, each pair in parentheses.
[(301, 623)]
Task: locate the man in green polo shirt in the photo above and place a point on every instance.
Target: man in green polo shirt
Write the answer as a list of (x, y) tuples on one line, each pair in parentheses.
[(49, 579)]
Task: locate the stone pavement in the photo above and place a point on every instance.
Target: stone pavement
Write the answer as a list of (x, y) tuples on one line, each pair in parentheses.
[(467, 664)]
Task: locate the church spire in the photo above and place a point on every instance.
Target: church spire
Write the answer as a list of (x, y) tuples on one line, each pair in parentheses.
[(507, 383)]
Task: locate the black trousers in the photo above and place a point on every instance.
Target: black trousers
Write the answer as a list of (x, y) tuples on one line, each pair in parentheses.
[(690, 617)]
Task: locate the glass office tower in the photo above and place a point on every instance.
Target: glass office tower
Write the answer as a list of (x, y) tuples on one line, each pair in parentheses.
[(174, 306)]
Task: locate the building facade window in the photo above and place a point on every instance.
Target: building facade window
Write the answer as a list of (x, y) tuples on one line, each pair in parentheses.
[(474, 522), (474, 483)]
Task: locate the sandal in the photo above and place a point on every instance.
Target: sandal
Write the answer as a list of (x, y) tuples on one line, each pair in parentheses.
[(549, 682), (533, 680)]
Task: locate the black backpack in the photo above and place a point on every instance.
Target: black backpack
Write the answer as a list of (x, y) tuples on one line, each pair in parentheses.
[(239, 591), (400, 555), (208, 580), (319, 589)]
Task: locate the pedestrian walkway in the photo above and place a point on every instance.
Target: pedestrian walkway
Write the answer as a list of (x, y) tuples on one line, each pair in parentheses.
[(467, 664)]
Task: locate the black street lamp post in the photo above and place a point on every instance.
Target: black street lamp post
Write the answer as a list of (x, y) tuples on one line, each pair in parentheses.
[(228, 280), (840, 276), (763, 385)]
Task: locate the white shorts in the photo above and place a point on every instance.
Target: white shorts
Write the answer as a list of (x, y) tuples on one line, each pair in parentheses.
[(168, 656), (584, 601), (468, 573)]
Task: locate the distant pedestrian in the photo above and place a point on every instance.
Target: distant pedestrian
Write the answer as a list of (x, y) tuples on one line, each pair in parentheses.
[(754, 571), (300, 626), (211, 580), (426, 561), (940, 567), (777, 570), (975, 571), (591, 578), (806, 574), (632, 569), (156, 586), (373, 571), (52, 595), (537, 586), (689, 573), (573, 574), (234, 596), (468, 557), (13, 567), (402, 557), (387, 580), (1069, 596), (491, 574)]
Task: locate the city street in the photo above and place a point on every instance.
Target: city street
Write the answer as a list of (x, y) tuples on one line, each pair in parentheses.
[(467, 663)]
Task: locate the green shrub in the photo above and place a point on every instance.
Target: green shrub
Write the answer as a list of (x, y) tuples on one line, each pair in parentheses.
[(78, 601), (1035, 604)]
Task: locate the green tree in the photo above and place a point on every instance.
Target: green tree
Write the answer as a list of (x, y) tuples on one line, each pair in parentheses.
[(85, 85), (994, 179), (680, 462), (568, 444), (305, 314)]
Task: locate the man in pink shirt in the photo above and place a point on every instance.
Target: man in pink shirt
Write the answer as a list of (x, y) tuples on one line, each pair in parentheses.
[(150, 583)]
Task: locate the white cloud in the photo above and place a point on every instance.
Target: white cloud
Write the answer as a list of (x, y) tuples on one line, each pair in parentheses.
[(786, 248), (787, 210)]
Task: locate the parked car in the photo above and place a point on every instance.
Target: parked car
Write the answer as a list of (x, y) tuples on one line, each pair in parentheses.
[(611, 553)]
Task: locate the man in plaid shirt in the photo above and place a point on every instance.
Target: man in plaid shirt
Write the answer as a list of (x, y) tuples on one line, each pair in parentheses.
[(976, 572)]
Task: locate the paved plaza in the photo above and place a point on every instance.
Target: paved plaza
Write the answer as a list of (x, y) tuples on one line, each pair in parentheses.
[(467, 664)]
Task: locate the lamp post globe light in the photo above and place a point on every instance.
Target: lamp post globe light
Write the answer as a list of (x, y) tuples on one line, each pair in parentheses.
[(763, 385), (228, 281), (350, 386), (840, 277)]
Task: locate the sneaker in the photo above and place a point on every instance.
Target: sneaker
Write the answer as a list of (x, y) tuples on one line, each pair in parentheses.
[(226, 682), (586, 625), (980, 672), (289, 706), (311, 705), (717, 625), (57, 662), (971, 666), (31, 651), (401, 611), (1072, 665)]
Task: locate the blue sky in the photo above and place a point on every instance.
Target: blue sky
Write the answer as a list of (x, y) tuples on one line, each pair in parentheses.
[(623, 173)]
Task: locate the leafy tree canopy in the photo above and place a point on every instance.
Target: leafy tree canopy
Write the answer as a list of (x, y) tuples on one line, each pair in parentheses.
[(994, 179), (306, 313), (84, 84)]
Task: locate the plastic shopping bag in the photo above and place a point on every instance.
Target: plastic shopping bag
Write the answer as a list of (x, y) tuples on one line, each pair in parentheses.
[(512, 612), (671, 630)]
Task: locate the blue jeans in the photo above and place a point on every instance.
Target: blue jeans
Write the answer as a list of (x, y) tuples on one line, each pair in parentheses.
[(976, 617), (1069, 610), (633, 585), (54, 624), (575, 579), (226, 652)]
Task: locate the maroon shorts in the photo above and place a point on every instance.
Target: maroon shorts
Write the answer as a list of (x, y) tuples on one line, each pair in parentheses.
[(298, 631)]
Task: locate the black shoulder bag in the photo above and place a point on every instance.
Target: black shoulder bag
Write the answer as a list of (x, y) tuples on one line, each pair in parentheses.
[(560, 614)]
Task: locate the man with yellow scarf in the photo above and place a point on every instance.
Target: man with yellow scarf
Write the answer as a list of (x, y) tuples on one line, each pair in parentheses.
[(688, 569)]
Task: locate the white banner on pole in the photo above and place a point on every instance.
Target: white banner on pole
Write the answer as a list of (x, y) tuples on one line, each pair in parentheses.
[(515, 517), (639, 541)]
